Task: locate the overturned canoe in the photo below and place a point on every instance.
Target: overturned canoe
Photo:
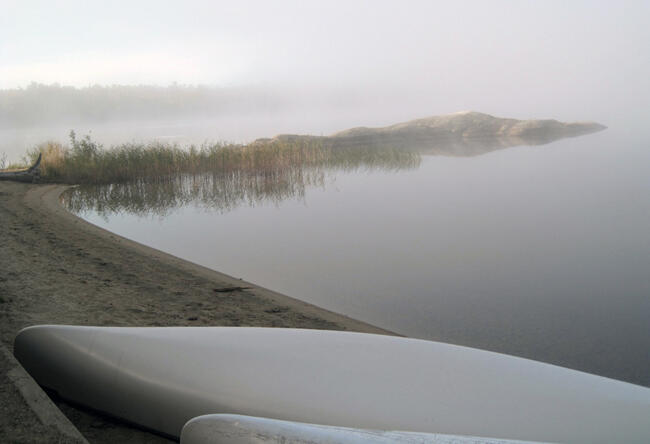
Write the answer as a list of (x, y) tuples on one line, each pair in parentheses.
[(162, 377), (31, 174)]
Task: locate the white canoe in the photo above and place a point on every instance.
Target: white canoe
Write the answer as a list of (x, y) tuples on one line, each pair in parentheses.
[(162, 377), (238, 429)]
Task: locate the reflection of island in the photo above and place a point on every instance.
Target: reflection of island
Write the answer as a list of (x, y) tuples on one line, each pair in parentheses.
[(459, 134), (273, 170)]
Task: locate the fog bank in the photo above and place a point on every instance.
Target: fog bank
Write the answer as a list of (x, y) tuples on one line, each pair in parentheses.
[(391, 61)]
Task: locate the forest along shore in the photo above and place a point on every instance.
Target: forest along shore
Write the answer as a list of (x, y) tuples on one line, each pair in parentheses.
[(55, 268)]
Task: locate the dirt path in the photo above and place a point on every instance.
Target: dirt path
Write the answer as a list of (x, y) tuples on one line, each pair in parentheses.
[(56, 268)]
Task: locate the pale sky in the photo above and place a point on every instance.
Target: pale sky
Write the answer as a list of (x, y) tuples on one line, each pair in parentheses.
[(564, 59)]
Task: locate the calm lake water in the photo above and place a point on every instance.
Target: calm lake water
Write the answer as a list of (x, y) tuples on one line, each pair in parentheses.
[(541, 252)]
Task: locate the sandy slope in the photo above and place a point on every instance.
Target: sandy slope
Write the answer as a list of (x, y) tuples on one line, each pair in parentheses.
[(56, 268)]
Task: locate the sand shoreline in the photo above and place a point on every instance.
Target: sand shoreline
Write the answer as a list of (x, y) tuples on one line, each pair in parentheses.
[(339, 321), (56, 268)]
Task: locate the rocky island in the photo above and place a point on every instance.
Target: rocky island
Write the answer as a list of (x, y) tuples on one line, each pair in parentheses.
[(464, 133)]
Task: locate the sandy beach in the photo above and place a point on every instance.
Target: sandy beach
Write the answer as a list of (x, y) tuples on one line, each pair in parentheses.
[(56, 268)]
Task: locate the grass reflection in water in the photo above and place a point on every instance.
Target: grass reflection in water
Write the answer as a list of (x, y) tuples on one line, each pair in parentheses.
[(266, 175)]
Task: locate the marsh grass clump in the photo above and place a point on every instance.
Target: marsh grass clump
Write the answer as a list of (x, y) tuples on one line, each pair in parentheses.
[(157, 178), (85, 161)]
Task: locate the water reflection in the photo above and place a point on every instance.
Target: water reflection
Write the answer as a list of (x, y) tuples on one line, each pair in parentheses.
[(277, 177), (513, 252), (225, 190)]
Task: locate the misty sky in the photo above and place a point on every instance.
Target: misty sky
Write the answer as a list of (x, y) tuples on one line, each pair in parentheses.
[(578, 60)]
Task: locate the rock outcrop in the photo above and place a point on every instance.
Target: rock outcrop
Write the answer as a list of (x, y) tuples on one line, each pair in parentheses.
[(462, 134)]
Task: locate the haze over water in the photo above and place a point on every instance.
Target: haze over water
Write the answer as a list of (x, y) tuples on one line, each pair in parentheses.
[(541, 252), (536, 251), (330, 65)]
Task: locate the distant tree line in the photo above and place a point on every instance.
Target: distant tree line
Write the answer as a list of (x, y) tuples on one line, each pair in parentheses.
[(39, 104)]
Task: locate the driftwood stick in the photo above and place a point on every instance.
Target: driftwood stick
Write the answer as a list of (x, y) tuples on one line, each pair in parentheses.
[(31, 174)]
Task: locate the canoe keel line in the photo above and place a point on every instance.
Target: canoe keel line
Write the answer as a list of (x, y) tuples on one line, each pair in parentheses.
[(238, 429), (359, 387)]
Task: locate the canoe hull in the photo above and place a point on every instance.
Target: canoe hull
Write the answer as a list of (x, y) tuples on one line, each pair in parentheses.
[(162, 377)]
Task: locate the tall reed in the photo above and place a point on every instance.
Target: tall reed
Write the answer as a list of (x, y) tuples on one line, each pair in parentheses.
[(86, 162)]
